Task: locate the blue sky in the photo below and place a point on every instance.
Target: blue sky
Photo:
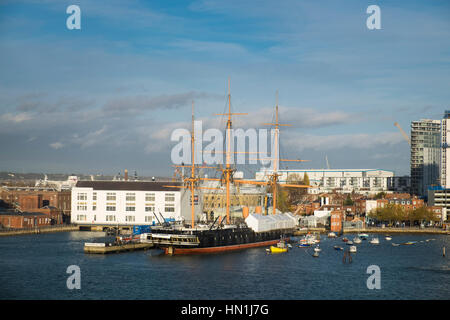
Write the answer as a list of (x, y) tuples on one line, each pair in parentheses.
[(106, 97)]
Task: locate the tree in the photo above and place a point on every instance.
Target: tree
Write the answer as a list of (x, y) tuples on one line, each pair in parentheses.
[(348, 201), (306, 179), (282, 199), (380, 195), (294, 194)]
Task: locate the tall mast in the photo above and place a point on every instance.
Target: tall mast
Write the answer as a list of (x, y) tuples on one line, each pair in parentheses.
[(192, 182), (275, 160), (228, 165)]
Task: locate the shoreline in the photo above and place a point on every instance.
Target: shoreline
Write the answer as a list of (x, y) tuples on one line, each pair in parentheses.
[(379, 230), (39, 230)]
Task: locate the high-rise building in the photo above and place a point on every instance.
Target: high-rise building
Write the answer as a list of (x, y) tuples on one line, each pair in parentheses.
[(425, 155), (445, 151)]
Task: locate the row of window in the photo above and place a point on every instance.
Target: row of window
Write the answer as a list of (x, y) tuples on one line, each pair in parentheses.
[(129, 208), (112, 218), (111, 196)]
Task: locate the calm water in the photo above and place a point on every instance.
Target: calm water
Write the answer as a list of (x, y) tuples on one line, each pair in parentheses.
[(34, 267)]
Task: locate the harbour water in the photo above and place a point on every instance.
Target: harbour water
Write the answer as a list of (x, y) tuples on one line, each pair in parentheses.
[(34, 267)]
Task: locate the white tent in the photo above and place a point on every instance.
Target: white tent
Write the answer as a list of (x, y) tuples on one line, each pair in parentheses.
[(260, 223)]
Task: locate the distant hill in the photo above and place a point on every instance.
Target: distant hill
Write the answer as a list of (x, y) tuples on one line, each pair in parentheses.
[(14, 176)]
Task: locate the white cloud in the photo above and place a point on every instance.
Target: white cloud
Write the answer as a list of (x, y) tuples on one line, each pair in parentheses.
[(16, 118), (56, 145)]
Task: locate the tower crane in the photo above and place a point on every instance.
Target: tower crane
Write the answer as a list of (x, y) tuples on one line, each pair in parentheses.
[(403, 133)]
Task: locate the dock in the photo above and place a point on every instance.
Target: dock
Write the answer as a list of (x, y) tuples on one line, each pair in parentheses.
[(103, 248), (39, 230)]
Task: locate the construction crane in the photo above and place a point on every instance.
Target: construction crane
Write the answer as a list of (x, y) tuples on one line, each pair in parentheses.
[(403, 133)]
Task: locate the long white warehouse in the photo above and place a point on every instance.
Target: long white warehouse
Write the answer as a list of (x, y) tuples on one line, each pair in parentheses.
[(130, 203)]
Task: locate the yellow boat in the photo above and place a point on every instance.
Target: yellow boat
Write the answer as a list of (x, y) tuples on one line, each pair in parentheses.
[(281, 247), (277, 249)]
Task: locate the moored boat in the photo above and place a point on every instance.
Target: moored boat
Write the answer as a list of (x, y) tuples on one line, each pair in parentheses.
[(357, 240), (338, 248), (332, 235), (374, 241), (363, 236), (353, 249)]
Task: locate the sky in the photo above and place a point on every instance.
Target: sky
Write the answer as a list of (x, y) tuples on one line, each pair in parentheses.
[(108, 96)]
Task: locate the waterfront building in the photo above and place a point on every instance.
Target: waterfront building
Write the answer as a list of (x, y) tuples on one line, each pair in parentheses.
[(425, 155), (445, 150), (13, 219), (364, 181), (336, 220), (33, 198), (439, 197), (126, 203)]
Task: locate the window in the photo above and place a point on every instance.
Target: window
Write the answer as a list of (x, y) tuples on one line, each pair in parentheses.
[(82, 207), (129, 218), (170, 197), (110, 207), (130, 208), (131, 197), (110, 196), (148, 219), (82, 196), (94, 196), (94, 207), (149, 208), (150, 197), (110, 218), (81, 217), (169, 208)]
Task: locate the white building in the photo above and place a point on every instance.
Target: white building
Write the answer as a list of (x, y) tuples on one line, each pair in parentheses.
[(130, 203), (445, 151), (342, 180)]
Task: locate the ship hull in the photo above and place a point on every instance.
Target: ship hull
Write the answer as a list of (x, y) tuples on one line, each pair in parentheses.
[(218, 249)]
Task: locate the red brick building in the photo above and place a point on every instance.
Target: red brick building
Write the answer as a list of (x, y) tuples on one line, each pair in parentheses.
[(17, 220), (31, 199), (336, 220)]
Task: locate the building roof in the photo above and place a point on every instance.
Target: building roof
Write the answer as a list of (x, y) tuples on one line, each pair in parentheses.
[(129, 185), (5, 212)]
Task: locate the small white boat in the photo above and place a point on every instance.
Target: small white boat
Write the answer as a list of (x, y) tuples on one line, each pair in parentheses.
[(375, 241), (395, 244), (363, 236), (388, 238), (353, 249), (357, 240), (317, 249), (332, 235), (315, 254), (349, 242)]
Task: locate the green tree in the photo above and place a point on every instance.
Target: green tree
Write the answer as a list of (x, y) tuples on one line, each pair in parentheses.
[(283, 203), (306, 179), (348, 201), (380, 195)]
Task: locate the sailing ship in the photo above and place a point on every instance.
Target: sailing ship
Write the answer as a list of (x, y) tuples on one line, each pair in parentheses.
[(221, 235)]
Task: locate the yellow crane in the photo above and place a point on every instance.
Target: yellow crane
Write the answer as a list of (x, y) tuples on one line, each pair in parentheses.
[(403, 133)]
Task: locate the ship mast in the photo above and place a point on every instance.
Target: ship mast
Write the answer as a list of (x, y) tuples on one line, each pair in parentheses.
[(228, 171), (192, 181), (273, 179)]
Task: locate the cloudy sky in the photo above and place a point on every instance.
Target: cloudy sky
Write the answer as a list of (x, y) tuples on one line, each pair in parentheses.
[(107, 97)]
